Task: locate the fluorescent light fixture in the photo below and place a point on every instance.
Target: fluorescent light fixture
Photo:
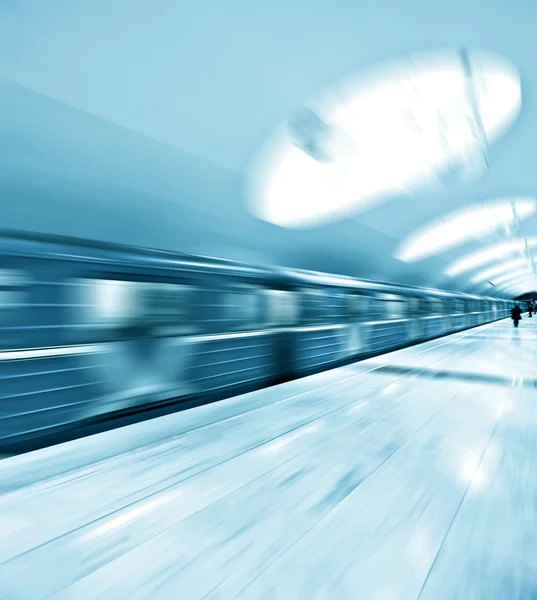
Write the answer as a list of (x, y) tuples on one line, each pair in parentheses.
[(464, 225), (508, 277), (520, 289), (506, 289), (490, 253), (502, 268), (520, 284), (379, 135)]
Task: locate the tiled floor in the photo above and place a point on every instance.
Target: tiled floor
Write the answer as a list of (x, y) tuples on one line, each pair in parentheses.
[(411, 475)]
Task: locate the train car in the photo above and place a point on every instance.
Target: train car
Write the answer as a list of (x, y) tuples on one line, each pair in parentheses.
[(90, 330), (341, 318)]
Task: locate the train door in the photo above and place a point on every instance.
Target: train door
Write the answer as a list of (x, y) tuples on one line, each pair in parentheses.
[(357, 308), (282, 314)]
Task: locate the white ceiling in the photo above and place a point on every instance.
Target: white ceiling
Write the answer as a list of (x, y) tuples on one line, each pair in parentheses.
[(137, 121)]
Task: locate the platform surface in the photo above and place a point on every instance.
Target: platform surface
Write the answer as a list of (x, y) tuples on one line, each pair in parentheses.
[(408, 476)]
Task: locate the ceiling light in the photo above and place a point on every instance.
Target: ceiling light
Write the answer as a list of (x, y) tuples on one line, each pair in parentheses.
[(461, 226), (501, 268), (517, 284), (381, 134), (512, 276), (476, 259)]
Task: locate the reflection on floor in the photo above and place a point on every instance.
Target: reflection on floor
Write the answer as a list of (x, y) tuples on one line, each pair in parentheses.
[(371, 481), (459, 375)]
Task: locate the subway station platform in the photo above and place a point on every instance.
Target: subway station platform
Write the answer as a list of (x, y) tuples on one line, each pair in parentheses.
[(410, 475)]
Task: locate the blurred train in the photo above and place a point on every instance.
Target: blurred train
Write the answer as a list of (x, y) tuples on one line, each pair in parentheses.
[(90, 330)]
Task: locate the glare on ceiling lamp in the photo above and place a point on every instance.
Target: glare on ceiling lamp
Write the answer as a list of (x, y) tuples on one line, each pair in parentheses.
[(380, 134)]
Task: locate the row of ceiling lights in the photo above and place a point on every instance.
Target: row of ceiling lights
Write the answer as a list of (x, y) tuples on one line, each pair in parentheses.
[(508, 266), (470, 223), (509, 276)]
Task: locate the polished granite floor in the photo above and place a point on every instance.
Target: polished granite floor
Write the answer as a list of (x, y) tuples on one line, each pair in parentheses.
[(408, 476)]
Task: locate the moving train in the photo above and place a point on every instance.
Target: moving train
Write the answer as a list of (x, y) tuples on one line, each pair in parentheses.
[(90, 330)]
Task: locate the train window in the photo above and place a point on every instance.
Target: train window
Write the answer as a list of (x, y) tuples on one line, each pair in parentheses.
[(413, 307), (243, 309), (357, 307), (124, 307), (281, 309), (313, 305), (449, 306), (108, 302), (395, 307), (335, 306), (384, 307), (435, 307), (424, 310), (12, 287), (15, 296), (167, 307), (375, 309)]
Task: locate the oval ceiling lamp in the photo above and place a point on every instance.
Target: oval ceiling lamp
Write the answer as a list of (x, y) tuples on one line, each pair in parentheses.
[(381, 132)]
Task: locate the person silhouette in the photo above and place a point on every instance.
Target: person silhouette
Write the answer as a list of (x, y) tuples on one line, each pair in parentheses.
[(516, 315)]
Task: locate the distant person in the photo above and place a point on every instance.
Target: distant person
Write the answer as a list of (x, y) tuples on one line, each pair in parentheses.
[(530, 309), (516, 315)]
